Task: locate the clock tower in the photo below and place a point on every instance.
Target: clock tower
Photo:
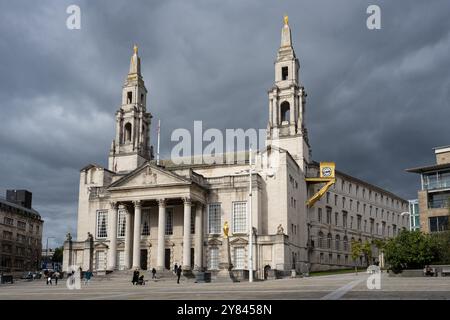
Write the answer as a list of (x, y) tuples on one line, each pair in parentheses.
[(285, 127), (131, 147)]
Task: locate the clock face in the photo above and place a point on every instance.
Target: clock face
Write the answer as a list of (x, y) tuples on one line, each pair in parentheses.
[(326, 171)]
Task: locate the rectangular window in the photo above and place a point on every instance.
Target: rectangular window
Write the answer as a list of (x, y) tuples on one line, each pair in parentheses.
[(145, 222), (8, 221), (358, 222), (336, 218), (335, 199), (240, 217), (328, 215), (21, 225), (239, 258), (344, 219), (319, 214), (213, 258), (169, 221), (284, 73), (129, 97), (214, 218), (193, 221), (31, 228), (102, 224), (121, 223), (439, 223)]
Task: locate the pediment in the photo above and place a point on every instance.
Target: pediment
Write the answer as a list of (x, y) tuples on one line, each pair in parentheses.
[(214, 242), (101, 245), (149, 175), (239, 241)]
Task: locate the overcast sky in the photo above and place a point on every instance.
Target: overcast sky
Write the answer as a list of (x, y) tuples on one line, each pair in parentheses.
[(378, 100)]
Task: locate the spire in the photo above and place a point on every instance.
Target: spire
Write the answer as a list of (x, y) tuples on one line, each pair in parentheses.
[(286, 39), (135, 62)]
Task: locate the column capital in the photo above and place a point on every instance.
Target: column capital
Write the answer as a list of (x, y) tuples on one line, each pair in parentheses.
[(113, 204), (123, 207), (187, 201), (137, 203), (162, 202)]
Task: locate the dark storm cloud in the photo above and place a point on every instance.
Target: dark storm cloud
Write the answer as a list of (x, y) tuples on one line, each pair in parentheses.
[(377, 100)]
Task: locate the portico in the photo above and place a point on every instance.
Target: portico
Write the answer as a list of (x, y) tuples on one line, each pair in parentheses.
[(139, 218)]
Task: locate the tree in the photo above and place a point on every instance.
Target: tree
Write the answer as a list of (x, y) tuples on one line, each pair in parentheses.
[(410, 250), (58, 255), (356, 251), (366, 250)]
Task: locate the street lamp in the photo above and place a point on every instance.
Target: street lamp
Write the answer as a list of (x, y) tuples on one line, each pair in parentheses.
[(250, 171), (46, 250)]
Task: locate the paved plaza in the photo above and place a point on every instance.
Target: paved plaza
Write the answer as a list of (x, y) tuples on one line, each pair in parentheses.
[(347, 286)]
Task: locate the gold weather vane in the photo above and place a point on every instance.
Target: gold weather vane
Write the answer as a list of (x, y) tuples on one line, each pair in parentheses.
[(286, 19), (135, 48)]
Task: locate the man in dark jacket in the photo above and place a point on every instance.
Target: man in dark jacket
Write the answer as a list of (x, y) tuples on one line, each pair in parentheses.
[(135, 277), (178, 274)]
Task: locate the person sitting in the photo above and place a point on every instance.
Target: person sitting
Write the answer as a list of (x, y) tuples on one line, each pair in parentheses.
[(428, 271), (141, 280)]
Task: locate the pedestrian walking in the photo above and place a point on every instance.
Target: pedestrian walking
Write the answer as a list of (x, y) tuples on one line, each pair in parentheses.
[(178, 274), (56, 274), (153, 273), (135, 277), (49, 279), (87, 277), (175, 268)]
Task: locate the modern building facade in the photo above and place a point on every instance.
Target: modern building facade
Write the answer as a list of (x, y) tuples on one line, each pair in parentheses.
[(20, 233), (140, 214), (434, 195), (414, 215)]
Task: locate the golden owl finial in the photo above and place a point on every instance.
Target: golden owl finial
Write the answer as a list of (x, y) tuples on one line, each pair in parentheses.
[(226, 229), (135, 48), (286, 19)]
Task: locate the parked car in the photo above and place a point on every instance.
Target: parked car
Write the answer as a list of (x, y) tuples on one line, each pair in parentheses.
[(27, 275)]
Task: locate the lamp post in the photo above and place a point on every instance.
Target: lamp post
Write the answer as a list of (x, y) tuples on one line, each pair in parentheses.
[(46, 250)]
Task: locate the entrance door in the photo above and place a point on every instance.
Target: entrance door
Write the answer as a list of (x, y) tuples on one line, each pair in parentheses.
[(167, 259), (192, 258), (144, 259)]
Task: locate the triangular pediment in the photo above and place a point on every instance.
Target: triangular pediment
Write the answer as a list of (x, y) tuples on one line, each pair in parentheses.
[(214, 242), (149, 175), (239, 241), (101, 245)]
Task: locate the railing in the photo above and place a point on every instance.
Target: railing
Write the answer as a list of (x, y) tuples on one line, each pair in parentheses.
[(437, 204), (436, 183)]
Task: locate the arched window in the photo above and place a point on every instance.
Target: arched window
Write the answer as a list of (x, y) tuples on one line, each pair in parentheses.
[(338, 242), (345, 243), (127, 132), (329, 238), (321, 242), (285, 111)]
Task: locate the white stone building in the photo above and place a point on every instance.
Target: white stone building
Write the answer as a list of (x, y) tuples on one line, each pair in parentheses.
[(137, 214)]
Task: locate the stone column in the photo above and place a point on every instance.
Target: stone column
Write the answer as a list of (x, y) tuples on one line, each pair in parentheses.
[(137, 235), (112, 252), (128, 239), (161, 233), (187, 234), (198, 252)]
